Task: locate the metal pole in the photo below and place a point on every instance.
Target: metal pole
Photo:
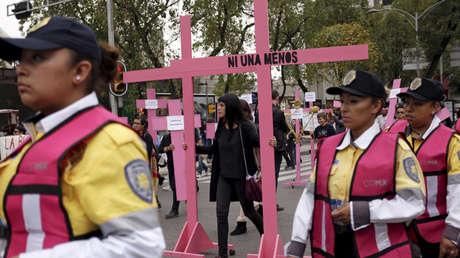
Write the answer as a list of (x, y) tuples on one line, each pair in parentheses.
[(206, 83), (113, 102), (416, 44)]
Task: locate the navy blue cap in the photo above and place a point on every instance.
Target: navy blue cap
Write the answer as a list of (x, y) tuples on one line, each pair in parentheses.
[(360, 83), (53, 33), (425, 89)]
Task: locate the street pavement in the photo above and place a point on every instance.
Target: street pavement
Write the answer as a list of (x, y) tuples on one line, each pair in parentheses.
[(246, 243)]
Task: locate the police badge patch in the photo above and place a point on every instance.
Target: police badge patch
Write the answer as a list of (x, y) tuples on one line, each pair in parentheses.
[(349, 78), (137, 174), (410, 168), (415, 84)]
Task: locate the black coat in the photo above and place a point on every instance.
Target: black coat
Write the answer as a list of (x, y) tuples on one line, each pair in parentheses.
[(280, 128), (250, 141)]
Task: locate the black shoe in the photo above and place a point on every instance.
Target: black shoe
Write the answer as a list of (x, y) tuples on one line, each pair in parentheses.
[(279, 208), (240, 229), (172, 214)]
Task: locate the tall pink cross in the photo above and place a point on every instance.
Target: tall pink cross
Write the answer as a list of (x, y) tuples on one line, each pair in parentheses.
[(297, 181), (193, 238), (151, 104), (175, 124), (393, 101)]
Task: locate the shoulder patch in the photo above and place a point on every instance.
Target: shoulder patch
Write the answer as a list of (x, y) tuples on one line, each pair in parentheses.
[(137, 174), (411, 169)]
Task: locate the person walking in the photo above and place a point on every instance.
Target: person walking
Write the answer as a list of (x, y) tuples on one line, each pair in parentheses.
[(167, 147), (80, 186), (365, 187), (233, 159), (437, 230)]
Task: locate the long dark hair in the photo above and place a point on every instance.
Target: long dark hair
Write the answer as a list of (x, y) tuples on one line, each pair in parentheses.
[(233, 113), (246, 110)]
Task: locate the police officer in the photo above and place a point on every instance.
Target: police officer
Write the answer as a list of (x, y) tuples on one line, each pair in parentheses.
[(437, 230), (82, 175), (365, 186)]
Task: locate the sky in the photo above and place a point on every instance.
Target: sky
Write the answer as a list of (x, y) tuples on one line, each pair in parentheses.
[(8, 24)]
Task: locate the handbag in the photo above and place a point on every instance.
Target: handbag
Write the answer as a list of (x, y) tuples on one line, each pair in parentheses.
[(253, 184)]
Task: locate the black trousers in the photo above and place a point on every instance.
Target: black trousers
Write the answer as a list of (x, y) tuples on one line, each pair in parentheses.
[(278, 159), (226, 188), (344, 246), (172, 184)]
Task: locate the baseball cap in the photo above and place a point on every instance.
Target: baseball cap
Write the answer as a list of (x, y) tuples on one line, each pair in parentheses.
[(360, 83), (425, 89), (53, 33)]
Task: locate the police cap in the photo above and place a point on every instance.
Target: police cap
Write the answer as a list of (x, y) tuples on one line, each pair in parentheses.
[(425, 89), (360, 83)]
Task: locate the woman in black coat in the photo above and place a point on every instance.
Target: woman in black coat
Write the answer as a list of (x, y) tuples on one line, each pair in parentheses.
[(234, 134)]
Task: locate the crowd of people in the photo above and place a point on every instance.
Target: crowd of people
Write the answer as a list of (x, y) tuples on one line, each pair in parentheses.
[(85, 184)]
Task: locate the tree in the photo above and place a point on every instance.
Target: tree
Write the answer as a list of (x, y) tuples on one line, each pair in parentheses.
[(339, 35)]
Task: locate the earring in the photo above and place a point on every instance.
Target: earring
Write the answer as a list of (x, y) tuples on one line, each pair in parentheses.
[(78, 78)]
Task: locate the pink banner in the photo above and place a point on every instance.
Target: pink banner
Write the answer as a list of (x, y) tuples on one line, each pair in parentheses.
[(337, 104), (211, 130)]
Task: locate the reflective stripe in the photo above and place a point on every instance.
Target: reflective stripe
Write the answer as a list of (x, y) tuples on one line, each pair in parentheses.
[(33, 222), (136, 221), (381, 236), (323, 228), (432, 195)]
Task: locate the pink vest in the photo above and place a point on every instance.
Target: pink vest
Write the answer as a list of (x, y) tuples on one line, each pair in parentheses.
[(374, 178), (33, 204), (399, 126), (432, 156)]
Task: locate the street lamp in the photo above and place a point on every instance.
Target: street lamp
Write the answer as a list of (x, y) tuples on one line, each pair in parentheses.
[(413, 23)]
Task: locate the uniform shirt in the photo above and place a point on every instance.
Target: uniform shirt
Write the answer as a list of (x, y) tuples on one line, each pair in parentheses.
[(452, 230), (97, 194), (408, 203)]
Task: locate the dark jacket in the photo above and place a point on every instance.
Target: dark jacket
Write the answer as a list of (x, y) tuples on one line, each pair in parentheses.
[(250, 141), (280, 128), (165, 142)]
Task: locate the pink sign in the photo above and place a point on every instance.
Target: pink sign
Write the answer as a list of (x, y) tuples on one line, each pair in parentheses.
[(211, 130), (193, 238), (337, 104), (443, 114)]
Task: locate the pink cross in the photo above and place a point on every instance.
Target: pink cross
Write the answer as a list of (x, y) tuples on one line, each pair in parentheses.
[(173, 123), (393, 101), (151, 104), (193, 238)]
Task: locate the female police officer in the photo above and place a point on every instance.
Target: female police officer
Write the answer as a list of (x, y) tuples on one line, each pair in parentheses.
[(437, 230), (80, 186), (366, 184)]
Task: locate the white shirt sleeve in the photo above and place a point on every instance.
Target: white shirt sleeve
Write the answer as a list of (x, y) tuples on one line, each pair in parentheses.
[(147, 243), (453, 205), (303, 217), (396, 210)]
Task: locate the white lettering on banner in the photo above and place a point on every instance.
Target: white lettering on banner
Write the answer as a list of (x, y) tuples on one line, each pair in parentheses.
[(247, 97), (394, 93), (151, 104), (296, 113), (310, 96), (175, 123), (9, 143)]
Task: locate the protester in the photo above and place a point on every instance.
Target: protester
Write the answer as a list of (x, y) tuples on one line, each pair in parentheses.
[(366, 184), (400, 112), (437, 230), (19, 130), (233, 158), (242, 220), (167, 147), (382, 117), (324, 129), (140, 126), (280, 129), (81, 186)]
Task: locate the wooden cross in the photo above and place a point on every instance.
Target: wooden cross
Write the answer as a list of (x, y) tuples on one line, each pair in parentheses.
[(175, 124), (193, 238), (151, 104)]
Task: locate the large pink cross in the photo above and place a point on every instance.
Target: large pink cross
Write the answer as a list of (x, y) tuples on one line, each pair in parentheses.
[(193, 238), (151, 104), (175, 119)]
